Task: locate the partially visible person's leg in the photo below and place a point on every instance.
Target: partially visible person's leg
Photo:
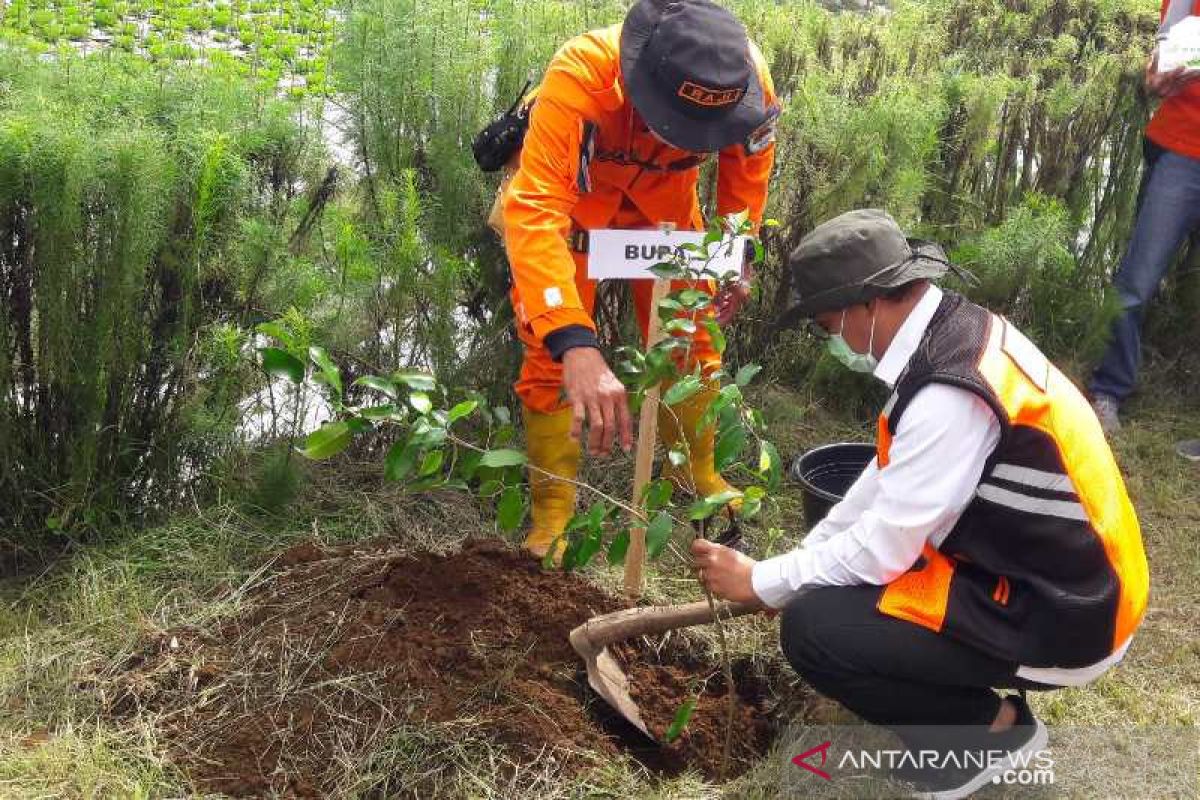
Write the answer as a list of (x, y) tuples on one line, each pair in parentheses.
[(1170, 210), (677, 424), (935, 693), (553, 455), (886, 670)]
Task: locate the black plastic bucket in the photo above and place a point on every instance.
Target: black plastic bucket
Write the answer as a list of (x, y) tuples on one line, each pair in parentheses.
[(826, 473)]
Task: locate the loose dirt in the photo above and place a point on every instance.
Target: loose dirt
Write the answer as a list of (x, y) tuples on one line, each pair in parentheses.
[(337, 648)]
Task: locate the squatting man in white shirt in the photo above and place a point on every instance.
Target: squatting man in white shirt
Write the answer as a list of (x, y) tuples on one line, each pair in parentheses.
[(990, 544)]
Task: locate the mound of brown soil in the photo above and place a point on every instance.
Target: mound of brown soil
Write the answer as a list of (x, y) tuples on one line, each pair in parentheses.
[(345, 645)]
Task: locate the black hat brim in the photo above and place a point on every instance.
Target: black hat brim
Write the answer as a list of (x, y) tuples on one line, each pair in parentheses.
[(657, 108), (927, 262)]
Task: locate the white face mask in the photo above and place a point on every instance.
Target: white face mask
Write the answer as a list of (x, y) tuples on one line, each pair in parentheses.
[(853, 360)]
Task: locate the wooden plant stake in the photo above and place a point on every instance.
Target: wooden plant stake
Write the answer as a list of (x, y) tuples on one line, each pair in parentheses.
[(635, 556)]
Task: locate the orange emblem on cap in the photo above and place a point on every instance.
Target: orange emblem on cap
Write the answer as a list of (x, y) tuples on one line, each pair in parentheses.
[(711, 98)]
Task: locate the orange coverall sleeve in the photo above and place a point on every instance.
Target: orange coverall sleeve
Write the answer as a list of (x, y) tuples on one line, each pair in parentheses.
[(741, 177), (537, 213)]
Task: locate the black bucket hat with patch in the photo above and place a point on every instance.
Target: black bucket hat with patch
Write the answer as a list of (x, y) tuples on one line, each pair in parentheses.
[(856, 257), (687, 68)]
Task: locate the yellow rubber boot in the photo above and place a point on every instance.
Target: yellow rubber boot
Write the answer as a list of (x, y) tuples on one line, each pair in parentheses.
[(550, 450), (677, 424)]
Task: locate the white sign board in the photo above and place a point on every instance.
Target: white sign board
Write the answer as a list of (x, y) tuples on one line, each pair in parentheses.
[(1181, 47), (614, 253)]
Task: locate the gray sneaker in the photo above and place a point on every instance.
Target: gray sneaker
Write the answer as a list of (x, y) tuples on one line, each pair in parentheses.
[(1106, 407), (1189, 449)]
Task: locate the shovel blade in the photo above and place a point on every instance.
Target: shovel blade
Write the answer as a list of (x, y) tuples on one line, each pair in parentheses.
[(607, 679)]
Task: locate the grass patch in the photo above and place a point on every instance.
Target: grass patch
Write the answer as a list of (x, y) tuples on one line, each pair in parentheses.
[(64, 633)]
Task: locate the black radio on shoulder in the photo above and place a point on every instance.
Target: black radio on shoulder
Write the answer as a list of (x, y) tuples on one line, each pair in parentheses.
[(495, 145)]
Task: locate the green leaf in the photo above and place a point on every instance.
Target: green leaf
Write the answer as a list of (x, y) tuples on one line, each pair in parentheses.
[(281, 362), (432, 463), (490, 488), (578, 521), (680, 325), (463, 409), (658, 494), (721, 499), (401, 460), (728, 448), (330, 373), (327, 440), (503, 458), (467, 464), (716, 335), (426, 435), (570, 555), (511, 509), (420, 402), (705, 508), (386, 411), (618, 547), (588, 548), (504, 434), (746, 374), (770, 466), (415, 380), (682, 717), (732, 393), (382, 385), (693, 299), (596, 515), (658, 533), (668, 308), (752, 503), (502, 414), (277, 331), (666, 271), (682, 389)]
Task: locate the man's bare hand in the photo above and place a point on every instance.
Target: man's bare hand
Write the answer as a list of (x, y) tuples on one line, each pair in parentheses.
[(1169, 84), (596, 395), (731, 299), (724, 571)]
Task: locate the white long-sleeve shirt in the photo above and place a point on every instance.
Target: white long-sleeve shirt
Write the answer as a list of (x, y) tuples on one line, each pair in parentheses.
[(937, 456), (876, 533)]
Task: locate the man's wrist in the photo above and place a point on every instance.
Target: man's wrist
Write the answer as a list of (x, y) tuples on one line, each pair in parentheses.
[(558, 342), (769, 584)]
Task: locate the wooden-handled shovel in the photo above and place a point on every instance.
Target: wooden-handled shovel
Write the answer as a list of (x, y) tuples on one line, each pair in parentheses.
[(591, 640)]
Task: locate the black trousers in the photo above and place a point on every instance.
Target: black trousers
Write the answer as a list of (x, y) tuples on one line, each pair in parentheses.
[(888, 671)]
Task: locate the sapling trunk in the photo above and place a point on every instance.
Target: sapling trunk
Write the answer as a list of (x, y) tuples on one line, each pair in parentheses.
[(727, 667)]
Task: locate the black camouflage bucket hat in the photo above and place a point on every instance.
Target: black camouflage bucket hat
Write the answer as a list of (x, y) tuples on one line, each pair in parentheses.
[(854, 258), (688, 70)]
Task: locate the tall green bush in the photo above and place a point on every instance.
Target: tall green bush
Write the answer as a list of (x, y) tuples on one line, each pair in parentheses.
[(127, 202)]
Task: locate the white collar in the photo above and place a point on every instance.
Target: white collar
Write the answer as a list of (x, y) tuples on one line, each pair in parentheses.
[(908, 338)]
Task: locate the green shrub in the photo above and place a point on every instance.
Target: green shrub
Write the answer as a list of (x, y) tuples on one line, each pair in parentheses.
[(124, 196)]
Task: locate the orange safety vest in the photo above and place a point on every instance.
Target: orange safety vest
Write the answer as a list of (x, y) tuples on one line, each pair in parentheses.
[(1176, 124), (1046, 566), (587, 156)]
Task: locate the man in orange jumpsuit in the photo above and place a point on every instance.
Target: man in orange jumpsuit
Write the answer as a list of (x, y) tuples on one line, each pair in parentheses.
[(623, 119)]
